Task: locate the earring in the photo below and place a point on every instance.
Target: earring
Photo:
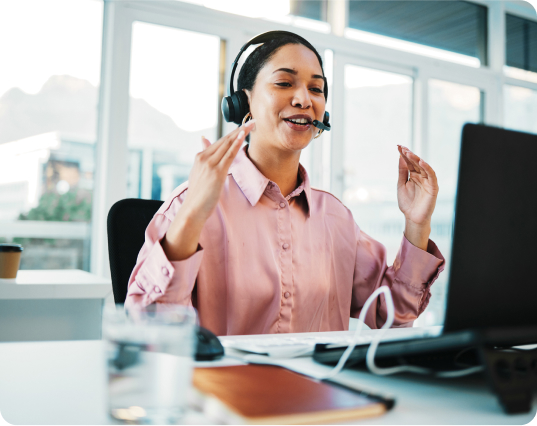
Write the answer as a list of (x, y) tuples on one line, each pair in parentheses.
[(318, 134), (246, 117)]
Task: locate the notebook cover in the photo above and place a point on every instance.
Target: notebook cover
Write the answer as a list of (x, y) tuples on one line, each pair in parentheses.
[(273, 395)]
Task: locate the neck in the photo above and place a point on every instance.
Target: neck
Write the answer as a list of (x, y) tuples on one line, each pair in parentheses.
[(278, 166)]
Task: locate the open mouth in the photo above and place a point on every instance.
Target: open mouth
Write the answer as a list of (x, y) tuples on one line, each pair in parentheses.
[(298, 121)]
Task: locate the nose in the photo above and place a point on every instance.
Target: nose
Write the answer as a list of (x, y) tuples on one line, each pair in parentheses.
[(301, 97)]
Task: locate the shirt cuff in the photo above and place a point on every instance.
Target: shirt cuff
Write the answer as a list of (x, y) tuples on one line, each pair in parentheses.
[(158, 273), (418, 267)]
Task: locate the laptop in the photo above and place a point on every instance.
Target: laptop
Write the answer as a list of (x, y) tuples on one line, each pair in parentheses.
[(492, 286)]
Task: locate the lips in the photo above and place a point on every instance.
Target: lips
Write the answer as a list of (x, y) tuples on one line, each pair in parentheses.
[(301, 127), (300, 117)]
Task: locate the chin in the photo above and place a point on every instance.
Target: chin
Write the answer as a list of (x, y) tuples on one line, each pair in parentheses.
[(297, 143)]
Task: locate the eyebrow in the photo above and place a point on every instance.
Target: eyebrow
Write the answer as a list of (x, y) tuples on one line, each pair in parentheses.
[(290, 71)]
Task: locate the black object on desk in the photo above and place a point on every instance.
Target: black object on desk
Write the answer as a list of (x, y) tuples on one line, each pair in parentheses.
[(208, 346)]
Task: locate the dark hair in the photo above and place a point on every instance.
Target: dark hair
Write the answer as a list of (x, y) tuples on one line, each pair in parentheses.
[(264, 53)]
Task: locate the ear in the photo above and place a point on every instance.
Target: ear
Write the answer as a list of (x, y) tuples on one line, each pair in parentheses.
[(248, 95)]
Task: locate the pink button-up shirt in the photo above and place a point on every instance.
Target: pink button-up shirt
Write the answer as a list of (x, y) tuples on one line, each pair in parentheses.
[(273, 264)]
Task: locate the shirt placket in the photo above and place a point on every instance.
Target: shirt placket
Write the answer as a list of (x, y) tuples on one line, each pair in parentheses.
[(286, 264)]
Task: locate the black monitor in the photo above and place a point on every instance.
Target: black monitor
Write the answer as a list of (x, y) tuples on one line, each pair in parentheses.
[(493, 272)]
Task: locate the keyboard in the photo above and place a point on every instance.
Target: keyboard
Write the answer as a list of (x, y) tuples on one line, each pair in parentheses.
[(303, 344), (285, 347)]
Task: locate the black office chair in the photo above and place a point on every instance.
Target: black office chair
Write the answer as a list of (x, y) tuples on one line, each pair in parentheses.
[(127, 221)]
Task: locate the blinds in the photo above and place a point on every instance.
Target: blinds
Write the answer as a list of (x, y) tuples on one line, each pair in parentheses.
[(456, 26), (521, 43), (312, 9)]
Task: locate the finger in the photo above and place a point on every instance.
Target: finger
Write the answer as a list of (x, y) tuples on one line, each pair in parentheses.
[(205, 143), (230, 137), (431, 175), (414, 159), (403, 172), (231, 153), (221, 151), (407, 161)]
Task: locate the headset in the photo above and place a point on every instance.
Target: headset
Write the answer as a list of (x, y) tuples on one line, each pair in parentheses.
[(235, 106)]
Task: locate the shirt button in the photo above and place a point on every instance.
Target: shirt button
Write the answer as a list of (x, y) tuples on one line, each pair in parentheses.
[(287, 294), (165, 271), (157, 290), (285, 245), (282, 205)]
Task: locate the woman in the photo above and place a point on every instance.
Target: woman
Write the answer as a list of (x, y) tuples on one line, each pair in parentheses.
[(254, 248)]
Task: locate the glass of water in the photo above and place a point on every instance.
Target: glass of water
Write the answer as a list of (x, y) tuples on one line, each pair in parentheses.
[(150, 354)]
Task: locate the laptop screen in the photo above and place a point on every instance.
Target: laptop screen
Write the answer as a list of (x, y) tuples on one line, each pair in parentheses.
[(493, 272)]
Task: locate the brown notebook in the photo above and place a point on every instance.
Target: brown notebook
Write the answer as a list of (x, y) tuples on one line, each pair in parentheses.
[(266, 394)]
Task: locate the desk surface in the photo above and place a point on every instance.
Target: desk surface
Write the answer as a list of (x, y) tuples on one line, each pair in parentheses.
[(55, 284), (64, 383)]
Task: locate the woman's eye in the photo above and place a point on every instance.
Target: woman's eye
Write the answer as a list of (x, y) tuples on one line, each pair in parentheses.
[(285, 84), (316, 89)]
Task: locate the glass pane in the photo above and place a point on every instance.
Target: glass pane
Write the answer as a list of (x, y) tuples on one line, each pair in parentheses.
[(455, 26), (450, 106), (378, 116), (311, 9), (520, 109), (316, 156), (48, 120), (173, 102), (521, 43)]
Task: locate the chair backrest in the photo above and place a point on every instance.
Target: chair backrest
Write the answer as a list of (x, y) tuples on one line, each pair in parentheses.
[(127, 222)]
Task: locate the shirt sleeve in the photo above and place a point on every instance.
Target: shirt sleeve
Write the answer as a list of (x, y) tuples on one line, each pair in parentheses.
[(409, 279), (157, 279)]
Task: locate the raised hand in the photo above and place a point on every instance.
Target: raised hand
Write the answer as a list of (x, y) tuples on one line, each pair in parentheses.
[(205, 185), (417, 189)]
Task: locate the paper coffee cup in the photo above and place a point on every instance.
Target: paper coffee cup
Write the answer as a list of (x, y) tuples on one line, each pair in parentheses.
[(10, 259)]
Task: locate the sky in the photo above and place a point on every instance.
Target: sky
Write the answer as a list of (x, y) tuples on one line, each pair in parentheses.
[(52, 37)]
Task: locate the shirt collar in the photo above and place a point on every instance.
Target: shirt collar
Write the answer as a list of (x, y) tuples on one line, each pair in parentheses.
[(253, 183)]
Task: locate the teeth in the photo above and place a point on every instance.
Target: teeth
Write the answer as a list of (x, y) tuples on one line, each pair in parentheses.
[(299, 120)]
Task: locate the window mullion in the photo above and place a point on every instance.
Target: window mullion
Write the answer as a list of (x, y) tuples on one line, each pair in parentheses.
[(111, 151)]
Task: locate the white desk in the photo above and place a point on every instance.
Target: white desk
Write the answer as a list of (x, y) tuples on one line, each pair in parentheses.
[(52, 305), (64, 383)]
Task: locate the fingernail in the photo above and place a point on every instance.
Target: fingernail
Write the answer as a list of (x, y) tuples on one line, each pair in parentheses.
[(241, 134), (249, 123)]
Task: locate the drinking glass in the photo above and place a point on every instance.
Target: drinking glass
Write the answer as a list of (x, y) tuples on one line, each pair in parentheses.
[(150, 359)]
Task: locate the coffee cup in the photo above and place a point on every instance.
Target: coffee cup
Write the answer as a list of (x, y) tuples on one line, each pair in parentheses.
[(10, 258)]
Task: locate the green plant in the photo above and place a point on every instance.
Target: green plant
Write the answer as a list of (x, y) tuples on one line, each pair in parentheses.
[(73, 206)]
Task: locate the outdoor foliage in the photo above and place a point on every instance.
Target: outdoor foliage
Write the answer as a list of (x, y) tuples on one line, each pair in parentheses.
[(73, 206)]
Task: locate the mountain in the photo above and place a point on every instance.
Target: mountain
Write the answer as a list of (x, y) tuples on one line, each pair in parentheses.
[(69, 105)]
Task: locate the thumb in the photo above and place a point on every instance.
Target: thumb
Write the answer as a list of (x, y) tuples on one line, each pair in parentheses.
[(205, 143), (403, 172)]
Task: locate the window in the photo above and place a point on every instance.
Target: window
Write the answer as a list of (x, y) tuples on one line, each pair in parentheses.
[(48, 120), (450, 106), (520, 108), (311, 9), (455, 26), (174, 101), (378, 116), (521, 43)]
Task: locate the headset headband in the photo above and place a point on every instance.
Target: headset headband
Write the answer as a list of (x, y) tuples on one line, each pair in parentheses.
[(263, 38)]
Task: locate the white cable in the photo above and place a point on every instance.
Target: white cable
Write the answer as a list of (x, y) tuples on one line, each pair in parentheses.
[(370, 356), (389, 321)]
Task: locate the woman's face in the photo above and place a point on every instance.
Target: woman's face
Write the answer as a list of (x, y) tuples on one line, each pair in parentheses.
[(289, 87)]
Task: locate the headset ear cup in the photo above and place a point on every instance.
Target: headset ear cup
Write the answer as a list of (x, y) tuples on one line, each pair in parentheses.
[(227, 108), (326, 118)]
